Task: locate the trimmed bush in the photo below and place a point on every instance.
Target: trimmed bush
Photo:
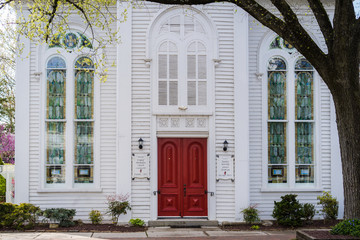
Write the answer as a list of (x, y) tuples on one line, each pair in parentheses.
[(20, 216), (288, 212), (330, 206), (6, 210), (347, 227), (62, 216), (251, 214), (95, 217), (117, 205), (309, 212)]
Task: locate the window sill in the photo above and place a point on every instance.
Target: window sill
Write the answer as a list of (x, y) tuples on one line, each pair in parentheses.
[(290, 190), (72, 190)]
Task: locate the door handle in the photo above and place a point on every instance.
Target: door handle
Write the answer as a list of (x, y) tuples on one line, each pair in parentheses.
[(184, 190), (156, 192)]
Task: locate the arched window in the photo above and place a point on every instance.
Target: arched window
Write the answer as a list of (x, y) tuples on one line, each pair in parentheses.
[(70, 113), (55, 120), (304, 126), (290, 116), (276, 123), (182, 60), (84, 126)]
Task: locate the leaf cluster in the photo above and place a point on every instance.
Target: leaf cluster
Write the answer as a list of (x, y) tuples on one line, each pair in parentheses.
[(347, 227), (95, 217), (24, 215), (330, 206), (62, 216), (137, 222), (251, 214)]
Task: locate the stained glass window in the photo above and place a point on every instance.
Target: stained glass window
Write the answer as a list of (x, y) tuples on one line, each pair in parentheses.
[(277, 160), (277, 152), (70, 40), (84, 41), (83, 170), (84, 110), (296, 84), (55, 152), (279, 43), (304, 128), (84, 89), (277, 95), (55, 129)]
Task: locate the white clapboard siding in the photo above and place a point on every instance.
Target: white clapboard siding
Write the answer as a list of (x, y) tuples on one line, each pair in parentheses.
[(222, 16), (265, 200), (82, 202), (141, 102)]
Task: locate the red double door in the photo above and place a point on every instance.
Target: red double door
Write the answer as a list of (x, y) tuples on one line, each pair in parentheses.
[(182, 177)]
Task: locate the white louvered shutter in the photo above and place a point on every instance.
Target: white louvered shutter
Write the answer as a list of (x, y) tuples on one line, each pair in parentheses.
[(168, 74), (196, 74)]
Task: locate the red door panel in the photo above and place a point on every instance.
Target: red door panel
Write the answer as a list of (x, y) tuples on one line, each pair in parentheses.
[(195, 176), (182, 173), (169, 179)]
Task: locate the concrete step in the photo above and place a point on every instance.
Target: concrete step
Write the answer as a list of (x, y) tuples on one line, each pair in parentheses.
[(183, 223)]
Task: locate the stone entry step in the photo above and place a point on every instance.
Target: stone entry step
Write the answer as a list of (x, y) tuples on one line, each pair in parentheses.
[(183, 223)]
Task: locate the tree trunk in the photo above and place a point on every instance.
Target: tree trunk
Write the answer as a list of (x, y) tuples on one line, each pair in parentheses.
[(347, 105)]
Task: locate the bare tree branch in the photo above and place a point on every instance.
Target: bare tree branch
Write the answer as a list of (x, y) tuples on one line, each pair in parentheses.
[(323, 20)]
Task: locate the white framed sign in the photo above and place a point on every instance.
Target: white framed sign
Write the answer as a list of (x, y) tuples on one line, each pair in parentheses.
[(140, 166), (225, 168)]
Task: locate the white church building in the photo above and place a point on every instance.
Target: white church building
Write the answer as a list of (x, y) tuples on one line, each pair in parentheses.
[(204, 113)]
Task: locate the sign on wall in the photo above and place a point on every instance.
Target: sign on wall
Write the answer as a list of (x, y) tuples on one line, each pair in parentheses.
[(225, 168), (140, 166)]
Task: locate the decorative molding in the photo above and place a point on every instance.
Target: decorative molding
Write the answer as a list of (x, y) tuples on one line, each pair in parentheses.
[(163, 122), (175, 122), (190, 122), (216, 61), (201, 122), (183, 108), (259, 76), (147, 61), (182, 123)]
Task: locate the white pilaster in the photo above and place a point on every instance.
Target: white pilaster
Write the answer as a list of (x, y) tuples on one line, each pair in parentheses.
[(123, 166), (22, 77), (241, 83)]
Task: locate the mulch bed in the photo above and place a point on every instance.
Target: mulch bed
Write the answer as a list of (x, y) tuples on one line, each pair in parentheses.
[(315, 224), (84, 228), (327, 235)]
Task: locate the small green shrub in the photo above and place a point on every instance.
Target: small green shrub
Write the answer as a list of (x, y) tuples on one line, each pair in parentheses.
[(347, 227), (95, 217), (288, 212), (330, 206), (251, 214), (62, 216), (137, 222), (309, 212), (6, 210), (20, 216), (117, 205), (255, 227)]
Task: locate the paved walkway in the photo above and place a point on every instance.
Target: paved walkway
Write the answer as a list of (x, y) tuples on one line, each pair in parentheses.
[(156, 233)]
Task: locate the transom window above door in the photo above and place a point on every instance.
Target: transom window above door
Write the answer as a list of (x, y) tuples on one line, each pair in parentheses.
[(181, 56)]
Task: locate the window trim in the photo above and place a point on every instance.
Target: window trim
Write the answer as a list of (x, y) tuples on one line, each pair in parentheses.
[(290, 60), (70, 59), (152, 52)]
